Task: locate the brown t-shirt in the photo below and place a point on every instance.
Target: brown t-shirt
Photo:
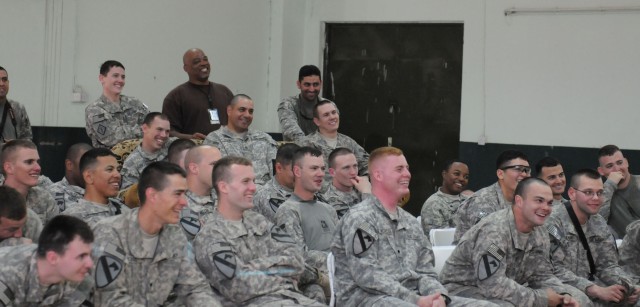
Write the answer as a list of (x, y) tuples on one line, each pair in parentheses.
[(187, 107)]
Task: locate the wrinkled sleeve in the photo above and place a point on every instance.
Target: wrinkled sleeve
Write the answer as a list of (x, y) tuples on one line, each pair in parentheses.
[(431, 217), (193, 286), (429, 282), (129, 172), (609, 189), (291, 131), (630, 249), (23, 130)]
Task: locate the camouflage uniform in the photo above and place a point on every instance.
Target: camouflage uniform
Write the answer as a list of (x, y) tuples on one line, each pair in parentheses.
[(31, 230), (22, 129), (42, 203), (92, 213), (269, 197), (294, 120), (630, 249), (138, 160), (65, 193), (20, 285), (342, 201), (482, 203), (257, 146), (109, 123), (383, 260), (621, 206), (256, 264), (570, 259), (198, 212), (494, 261), (439, 210), (132, 279)]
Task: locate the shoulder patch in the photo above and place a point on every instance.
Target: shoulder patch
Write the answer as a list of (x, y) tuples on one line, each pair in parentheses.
[(59, 197), (362, 239), (487, 266), (101, 129), (496, 252), (275, 203), (109, 265), (6, 295), (280, 234), (224, 259), (190, 223)]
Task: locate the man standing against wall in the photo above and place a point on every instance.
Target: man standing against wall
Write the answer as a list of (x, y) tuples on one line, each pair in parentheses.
[(196, 107), (14, 121)]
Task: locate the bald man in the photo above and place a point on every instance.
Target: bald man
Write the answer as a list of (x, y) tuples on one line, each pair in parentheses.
[(198, 106), (71, 188), (199, 163)]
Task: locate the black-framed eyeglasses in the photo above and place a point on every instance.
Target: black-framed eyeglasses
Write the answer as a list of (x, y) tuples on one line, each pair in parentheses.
[(590, 193), (518, 168)]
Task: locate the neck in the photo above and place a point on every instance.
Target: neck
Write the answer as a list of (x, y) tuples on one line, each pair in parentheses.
[(21, 188), (521, 225), (147, 220), (329, 134), (196, 187), (91, 195), (70, 179), (557, 196), (46, 274), (582, 217), (310, 102), (3, 100), (197, 82), (112, 97), (280, 180), (388, 200), (342, 188), (228, 212), (506, 193), (444, 190), (302, 193), (234, 130)]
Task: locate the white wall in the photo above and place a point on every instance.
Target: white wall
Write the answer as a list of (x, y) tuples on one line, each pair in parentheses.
[(539, 79)]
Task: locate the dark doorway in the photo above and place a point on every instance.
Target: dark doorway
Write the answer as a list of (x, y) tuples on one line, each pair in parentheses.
[(399, 84)]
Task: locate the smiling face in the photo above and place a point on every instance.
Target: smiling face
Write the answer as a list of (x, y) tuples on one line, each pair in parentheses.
[(615, 163), (587, 205), (240, 188), (4, 84), (113, 82), (104, 177), (510, 175), (309, 87), (555, 178), (328, 119), (455, 179), (533, 207), (23, 168), (240, 115), (168, 202), (197, 66), (11, 228), (75, 263), (155, 135), (392, 172)]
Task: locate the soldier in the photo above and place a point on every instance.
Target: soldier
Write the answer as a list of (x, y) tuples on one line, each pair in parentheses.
[(200, 202), (14, 121), (505, 257), (18, 224), (113, 117), (512, 166), (246, 258), (196, 107), (178, 150), (439, 209), (550, 170), (142, 258), (295, 113), (630, 249), (382, 257), (327, 117), (99, 169), (237, 139), (310, 222), (347, 188), (272, 194), (56, 272), (71, 188), (21, 166), (621, 204), (587, 267), (154, 147)]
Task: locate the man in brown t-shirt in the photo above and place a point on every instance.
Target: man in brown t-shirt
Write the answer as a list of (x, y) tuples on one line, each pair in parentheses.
[(198, 106)]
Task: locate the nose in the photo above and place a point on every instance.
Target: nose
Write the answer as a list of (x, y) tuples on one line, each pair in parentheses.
[(37, 167), (182, 201), (89, 263)]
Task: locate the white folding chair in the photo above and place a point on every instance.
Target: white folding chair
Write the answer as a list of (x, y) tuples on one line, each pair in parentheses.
[(441, 237), (618, 242), (331, 267), (441, 254)]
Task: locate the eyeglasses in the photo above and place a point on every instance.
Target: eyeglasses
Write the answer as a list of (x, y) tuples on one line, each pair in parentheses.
[(518, 168), (589, 193)]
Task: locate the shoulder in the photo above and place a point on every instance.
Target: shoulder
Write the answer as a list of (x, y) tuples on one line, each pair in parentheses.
[(289, 101), (219, 86), (40, 194), (16, 105), (262, 136)]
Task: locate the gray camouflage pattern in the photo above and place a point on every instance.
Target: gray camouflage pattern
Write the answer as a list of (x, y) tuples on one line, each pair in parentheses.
[(630, 249), (293, 123), (20, 286), (42, 203), (269, 197), (149, 281), (438, 211), (262, 262), (138, 160), (23, 124), (482, 203), (108, 123), (92, 213), (199, 208), (65, 193), (342, 201), (257, 146), (31, 230)]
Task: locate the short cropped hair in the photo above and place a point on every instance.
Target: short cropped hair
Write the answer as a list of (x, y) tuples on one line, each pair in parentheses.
[(607, 150), (509, 155), (106, 66), (237, 98), (11, 147), (382, 152), (2, 68), (523, 186), (340, 151), (546, 162), (309, 70), (75, 149), (447, 164), (60, 231), (221, 170), (13, 206), (285, 153), (177, 147), (90, 158), (155, 176), (299, 154), (152, 116), (584, 172), (321, 103)]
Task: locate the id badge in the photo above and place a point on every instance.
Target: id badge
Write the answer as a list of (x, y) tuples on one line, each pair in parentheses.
[(213, 117)]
